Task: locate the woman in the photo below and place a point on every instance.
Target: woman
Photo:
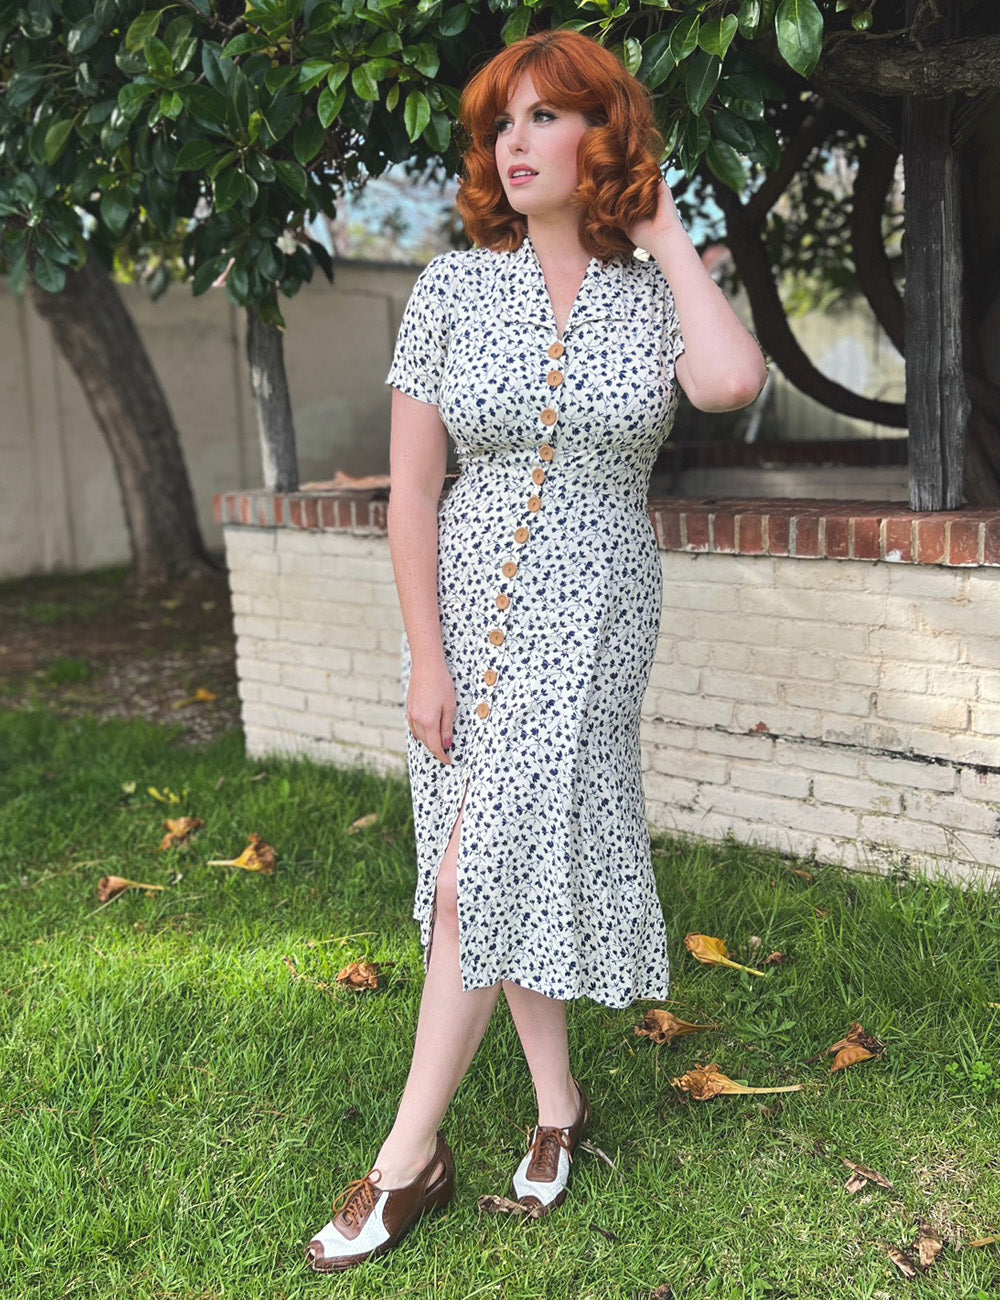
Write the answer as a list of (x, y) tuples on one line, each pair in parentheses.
[(531, 596)]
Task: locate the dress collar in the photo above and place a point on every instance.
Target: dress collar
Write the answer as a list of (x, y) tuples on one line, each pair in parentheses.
[(523, 296)]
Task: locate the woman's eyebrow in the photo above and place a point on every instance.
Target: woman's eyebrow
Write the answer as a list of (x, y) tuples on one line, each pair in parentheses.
[(539, 103)]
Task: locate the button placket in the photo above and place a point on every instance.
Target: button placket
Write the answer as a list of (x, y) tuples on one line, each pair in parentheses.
[(496, 636)]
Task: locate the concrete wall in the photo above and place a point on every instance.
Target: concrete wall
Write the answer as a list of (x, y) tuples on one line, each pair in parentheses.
[(847, 709)]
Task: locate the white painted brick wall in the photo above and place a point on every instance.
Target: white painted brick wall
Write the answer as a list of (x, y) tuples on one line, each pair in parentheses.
[(848, 711)]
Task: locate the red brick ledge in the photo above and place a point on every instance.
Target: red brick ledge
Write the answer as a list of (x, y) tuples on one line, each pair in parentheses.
[(803, 529)]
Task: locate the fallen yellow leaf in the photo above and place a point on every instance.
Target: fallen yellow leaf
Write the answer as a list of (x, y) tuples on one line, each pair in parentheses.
[(983, 1241), (201, 696), (713, 952), (706, 1081), (857, 1046), (257, 856), (664, 1027)]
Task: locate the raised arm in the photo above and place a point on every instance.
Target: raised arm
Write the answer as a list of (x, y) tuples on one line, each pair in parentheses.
[(722, 368)]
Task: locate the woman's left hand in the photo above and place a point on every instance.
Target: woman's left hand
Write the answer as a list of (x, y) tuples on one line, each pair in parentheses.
[(664, 221)]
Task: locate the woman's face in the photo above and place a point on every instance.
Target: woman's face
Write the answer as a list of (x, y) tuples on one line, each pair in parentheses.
[(536, 151)]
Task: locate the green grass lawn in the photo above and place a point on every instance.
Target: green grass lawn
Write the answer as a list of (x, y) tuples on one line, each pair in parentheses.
[(179, 1108)]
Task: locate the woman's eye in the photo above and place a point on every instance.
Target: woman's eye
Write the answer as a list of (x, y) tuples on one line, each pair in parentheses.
[(544, 112)]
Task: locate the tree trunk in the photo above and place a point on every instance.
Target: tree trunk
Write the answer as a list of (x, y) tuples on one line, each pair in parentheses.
[(95, 332), (269, 382), (937, 406)]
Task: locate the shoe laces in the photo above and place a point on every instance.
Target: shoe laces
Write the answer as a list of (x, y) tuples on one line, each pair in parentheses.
[(544, 1137), (357, 1200)]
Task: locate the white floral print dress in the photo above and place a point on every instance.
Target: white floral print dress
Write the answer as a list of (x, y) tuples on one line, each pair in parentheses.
[(549, 587)]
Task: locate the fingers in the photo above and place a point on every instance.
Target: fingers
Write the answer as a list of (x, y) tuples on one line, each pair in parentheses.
[(436, 735)]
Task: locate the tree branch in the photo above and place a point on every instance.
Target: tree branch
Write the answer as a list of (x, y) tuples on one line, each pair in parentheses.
[(961, 65), (875, 172), (811, 134), (775, 333)]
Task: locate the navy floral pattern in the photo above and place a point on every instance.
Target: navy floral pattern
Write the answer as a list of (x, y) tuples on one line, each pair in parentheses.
[(549, 586)]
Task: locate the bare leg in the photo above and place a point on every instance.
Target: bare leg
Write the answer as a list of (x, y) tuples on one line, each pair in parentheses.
[(450, 1028), (541, 1027)]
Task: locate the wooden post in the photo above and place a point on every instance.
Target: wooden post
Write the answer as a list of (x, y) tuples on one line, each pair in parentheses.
[(936, 401)]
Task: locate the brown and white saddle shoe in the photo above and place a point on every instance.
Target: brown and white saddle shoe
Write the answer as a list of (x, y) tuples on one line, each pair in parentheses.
[(541, 1181), (368, 1221)]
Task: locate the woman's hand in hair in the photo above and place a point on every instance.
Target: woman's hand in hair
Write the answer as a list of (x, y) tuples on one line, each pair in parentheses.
[(664, 222)]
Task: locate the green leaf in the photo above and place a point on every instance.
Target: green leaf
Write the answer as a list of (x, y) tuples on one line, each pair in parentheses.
[(281, 114), (18, 274), (657, 61), (132, 96), (56, 137), (733, 130), (454, 20), (516, 26), (82, 36), (716, 36), (159, 58), (171, 104), (228, 189), (49, 275), (308, 140), (338, 74), (684, 37), (438, 132), (799, 27), (748, 18), (312, 72), (206, 106), (632, 54), (195, 155), (416, 114), (727, 164), (292, 177), (116, 210), (206, 273), (767, 149), (364, 83), (141, 29), (703, 76), (330, 103)]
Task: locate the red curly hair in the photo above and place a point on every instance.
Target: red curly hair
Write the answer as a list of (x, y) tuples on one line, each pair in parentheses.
[(618, 159)]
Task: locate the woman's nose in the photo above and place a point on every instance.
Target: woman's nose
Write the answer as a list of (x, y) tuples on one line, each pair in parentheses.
[(515, 143)]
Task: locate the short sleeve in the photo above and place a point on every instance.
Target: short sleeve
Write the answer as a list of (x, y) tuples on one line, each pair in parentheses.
[(422, 341), (673, 341)]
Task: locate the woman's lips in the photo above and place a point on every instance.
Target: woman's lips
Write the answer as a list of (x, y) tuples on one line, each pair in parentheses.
[(521, 180)]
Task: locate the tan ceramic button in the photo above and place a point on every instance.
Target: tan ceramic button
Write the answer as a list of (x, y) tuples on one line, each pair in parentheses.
[(496, 636), (555, 378), (483, 710), (502, 601), (509, 569), (538, 476), (535, 503), (521, 536), (546, 452), (490, 677), (556, 351), (549, 417)]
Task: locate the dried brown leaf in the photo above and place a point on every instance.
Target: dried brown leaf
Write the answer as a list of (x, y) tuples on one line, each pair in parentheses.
[(664, 1026), (661, 1293), (866, 1174), (713, 952), (848, 1056), (501, 1205), (807, 876), (257, 856), (902, 1261), (109, 887), (359, 975), (362, 823), (775, 959), (706, 1081), (929, 1245), (179, 830), (982, 1241)]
